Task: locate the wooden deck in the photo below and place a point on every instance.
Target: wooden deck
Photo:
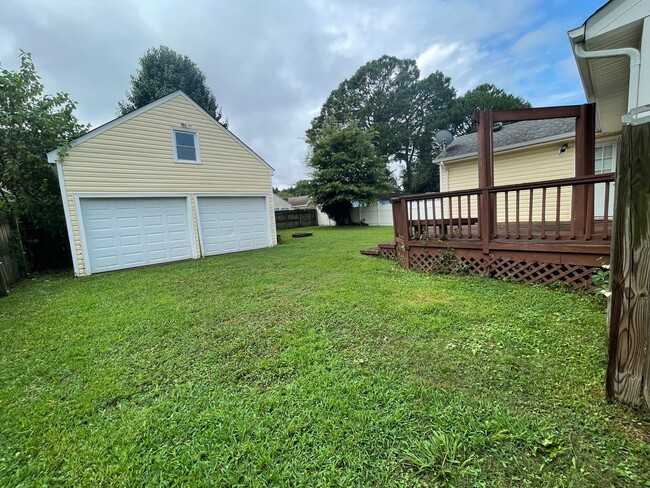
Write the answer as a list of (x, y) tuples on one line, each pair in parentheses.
[(529, 232), (539, 232)]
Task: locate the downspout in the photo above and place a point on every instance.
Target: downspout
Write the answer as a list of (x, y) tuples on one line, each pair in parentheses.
[(635, 67), (443, 167)]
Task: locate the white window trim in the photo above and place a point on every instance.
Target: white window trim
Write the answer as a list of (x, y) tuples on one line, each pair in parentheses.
[(614, 145), (196, 147)]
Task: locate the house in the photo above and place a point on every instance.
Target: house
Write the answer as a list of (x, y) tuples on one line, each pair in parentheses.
[(280, 203), (533, 200), (306, 202), (527, 151), (164, 183), (301, 202), (612, 52)]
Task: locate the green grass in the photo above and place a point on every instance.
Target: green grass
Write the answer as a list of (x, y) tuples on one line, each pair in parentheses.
[(308, 365)]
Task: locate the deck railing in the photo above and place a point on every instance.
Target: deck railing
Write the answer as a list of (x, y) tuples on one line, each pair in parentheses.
[(550, 212)]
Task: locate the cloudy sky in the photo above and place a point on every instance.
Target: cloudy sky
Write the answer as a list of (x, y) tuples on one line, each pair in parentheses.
[(271, 64)]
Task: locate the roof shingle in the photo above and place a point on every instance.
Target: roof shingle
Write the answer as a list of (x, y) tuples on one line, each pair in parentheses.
[(511, 134)]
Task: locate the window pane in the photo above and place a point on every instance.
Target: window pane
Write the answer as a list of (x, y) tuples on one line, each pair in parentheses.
[(187, 153), (607, 165), (598, 153), (184, 139), (608, 151)]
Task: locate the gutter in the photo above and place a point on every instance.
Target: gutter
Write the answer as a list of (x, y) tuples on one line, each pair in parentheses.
[(635, 67)]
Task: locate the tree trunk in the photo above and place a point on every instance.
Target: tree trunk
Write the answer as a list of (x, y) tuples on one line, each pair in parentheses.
[(628, 369)]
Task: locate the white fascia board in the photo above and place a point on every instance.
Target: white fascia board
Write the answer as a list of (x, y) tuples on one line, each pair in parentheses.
[(576, 36), (538, 142), (66, 212), (616, 15), (109, 125), (53, 156)]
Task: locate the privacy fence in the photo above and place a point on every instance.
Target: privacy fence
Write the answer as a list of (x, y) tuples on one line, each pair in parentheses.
[(292, 219), (9, 270)]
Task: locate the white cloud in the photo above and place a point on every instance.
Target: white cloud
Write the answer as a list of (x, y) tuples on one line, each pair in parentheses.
[(273, 64), (464, 63)]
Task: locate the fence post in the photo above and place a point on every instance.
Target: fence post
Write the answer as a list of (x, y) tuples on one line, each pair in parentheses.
[(628, 368)]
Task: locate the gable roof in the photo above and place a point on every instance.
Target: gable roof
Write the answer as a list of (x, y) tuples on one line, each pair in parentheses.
[(301, 201), (511, 136), (278, 201), (53, 156)]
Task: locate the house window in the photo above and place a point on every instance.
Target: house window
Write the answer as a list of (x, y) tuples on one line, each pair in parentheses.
[(605, 162), (186, 148)]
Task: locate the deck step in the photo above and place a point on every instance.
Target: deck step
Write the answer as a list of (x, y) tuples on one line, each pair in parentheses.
[(373, 251)]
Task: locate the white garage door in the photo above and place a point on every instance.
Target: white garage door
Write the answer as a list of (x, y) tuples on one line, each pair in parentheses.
[(230, 224), (128, 232)]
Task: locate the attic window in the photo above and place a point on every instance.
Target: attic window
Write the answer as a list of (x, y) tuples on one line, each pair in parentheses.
[(186, 147)]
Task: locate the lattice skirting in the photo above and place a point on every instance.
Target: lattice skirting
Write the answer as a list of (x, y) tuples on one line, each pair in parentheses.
[(388, 253), (517, 269)]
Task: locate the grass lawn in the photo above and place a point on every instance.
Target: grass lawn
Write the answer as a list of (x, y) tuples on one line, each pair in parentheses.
[(308, 365)]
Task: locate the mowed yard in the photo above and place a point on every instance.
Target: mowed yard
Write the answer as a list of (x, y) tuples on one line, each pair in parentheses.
[(308, 365)]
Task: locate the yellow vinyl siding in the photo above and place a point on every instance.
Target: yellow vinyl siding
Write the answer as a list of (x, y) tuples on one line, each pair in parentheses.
[(137, 156), (521, 166), (463, 175)]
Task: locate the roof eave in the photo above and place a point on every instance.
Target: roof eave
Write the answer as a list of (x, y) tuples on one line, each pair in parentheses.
[(53, 155), (577, 36), (511, 147)]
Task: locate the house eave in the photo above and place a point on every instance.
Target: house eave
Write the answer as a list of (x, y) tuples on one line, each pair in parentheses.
[(53, 156), (511, 147)]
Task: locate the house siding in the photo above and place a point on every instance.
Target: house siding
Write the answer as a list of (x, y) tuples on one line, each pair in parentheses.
[(137, 156), (522, 166)]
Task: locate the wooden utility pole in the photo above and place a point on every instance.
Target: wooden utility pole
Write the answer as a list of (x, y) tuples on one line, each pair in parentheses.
[(628, 369)]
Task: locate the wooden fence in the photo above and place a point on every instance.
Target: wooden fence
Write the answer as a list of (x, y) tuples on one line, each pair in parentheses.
[(9, 271), (292, 219)]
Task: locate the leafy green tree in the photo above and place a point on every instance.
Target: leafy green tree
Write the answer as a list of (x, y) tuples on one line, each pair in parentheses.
[(163, 71), (458, 119), (345, 168), (483, 97), (32, 124), (387, 96), (300, 188)]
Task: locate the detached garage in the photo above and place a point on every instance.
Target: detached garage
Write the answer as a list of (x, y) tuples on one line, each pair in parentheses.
[(164, 183)]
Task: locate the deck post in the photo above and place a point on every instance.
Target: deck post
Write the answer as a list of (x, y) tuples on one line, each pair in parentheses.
[(628, 368), (485, 175), (584, 165)]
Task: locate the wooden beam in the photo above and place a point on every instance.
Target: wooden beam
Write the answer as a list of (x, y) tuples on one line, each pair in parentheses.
[(628, 368), (485, 176), (534, 113), (584, 164)]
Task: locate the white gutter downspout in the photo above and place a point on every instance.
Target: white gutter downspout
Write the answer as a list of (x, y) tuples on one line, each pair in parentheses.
[(635, 67), (443, 166)]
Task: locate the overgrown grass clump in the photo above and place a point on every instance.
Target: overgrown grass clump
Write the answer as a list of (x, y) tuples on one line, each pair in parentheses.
[(308, 365)]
